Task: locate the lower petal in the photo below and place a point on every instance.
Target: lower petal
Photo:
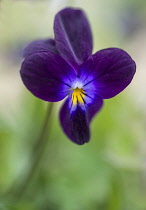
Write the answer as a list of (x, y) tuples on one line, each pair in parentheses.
[(75, 122)]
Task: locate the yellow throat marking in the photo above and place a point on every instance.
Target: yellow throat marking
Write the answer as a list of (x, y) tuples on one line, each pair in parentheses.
[(78, 96)]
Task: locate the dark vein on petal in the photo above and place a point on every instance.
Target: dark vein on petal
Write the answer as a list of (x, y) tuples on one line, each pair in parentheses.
[(87, 76), (63, 82), (103, 75), (82, 98), (77, 99), (87, 95)]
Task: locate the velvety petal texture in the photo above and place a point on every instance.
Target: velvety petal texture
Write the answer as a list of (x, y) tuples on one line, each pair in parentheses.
[(65, 66), (108, 72), (40, 46), (73, 36), (76, 123), (47, 76)]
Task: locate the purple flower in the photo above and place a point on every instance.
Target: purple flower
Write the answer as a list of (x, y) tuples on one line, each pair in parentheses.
[(65, 67)]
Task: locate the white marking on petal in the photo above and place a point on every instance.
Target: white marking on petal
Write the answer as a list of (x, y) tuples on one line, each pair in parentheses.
[(77, 84)]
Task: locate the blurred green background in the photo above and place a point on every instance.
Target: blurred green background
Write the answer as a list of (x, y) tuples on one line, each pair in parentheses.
[(108, 173)]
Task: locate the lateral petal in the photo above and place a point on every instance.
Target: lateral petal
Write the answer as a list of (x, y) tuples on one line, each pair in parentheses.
[(108, 72), (47, 76)]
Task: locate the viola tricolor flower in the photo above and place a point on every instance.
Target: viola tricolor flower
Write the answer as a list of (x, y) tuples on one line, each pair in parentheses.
[(65, 67)]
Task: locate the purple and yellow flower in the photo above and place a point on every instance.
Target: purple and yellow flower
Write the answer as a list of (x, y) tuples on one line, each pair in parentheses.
[(65, 67)]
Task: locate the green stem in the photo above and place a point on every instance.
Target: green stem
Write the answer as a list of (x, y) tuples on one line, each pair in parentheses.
[(37, 152)]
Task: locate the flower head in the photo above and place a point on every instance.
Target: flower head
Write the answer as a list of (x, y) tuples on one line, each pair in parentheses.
[(65, 67)]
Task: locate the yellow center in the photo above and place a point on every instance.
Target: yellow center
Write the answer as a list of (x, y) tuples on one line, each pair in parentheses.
[(78, 96)]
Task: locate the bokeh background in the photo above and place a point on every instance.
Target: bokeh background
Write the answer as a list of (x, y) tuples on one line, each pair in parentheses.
[(108, 173)]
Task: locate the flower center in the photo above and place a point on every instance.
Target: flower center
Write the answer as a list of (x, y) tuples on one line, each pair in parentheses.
[(78, 96)]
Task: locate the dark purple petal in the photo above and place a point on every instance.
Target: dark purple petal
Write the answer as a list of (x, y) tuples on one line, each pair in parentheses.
[(75, 123), (47, 76), (94, 107), (108, 72), (39, 46), (73, 36)]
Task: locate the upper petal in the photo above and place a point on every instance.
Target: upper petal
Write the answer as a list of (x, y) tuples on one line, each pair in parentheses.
[(47, 76), (39, 46), (75, 122), (108, 72), (73, 36)]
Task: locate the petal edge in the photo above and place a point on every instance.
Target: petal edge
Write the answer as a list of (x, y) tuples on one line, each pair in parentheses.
[(39, 46)]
